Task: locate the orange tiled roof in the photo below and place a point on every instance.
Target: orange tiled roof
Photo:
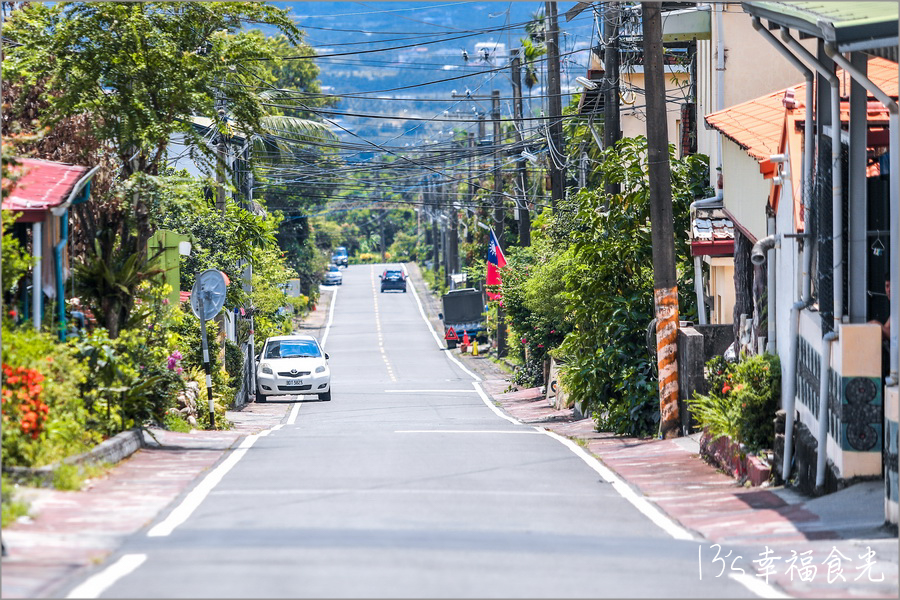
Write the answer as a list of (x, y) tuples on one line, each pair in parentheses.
[(756, 125)]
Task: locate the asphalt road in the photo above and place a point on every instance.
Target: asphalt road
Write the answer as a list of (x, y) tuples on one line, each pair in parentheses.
[(406, 484)]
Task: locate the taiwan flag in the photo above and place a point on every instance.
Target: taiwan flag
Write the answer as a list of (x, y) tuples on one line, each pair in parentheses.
[(495, 262)]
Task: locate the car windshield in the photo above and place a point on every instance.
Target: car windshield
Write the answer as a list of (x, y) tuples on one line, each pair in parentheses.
[(393, 275), (292, 349), (333, 268)]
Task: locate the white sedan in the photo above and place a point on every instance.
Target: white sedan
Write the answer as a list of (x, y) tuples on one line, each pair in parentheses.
[(293, 365)]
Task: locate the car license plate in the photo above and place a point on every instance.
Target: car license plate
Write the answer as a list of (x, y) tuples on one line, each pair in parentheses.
[(295, 382)]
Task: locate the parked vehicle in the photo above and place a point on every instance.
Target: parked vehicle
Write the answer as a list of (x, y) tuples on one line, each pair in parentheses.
[(333, 275), (293, 365), (393, 279), (340, 256), (464, 312)]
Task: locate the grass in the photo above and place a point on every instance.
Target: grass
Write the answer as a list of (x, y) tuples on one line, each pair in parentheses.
[(72, 477), (12, 509), (174, 422)]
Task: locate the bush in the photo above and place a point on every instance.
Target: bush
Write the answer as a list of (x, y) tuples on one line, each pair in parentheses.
[(742, 401), (48, 376)]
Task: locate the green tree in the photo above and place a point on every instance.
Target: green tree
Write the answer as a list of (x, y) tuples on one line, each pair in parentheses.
[(609, 287)]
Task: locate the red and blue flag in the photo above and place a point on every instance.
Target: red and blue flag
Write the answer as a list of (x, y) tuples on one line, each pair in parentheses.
[(495, 262)]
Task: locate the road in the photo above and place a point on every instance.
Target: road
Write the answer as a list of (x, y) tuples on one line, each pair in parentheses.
[(406, 484)]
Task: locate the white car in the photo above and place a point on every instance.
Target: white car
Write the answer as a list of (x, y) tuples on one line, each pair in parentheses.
[(333, 275), (293, 365)]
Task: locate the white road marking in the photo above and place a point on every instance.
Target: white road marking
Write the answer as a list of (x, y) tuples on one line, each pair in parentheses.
[(387, 363), (491, 431), (430, 391), (330, 317), (99, 583), (492, 406), (624, 490), (183, 511), (435, 335), (757, 586), (294, 412)]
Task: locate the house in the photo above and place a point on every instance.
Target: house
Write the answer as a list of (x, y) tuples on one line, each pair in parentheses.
[(831, 233), (42, 195)]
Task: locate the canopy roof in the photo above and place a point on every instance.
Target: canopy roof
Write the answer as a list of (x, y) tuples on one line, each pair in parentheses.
[(848, 25), (40, 186)]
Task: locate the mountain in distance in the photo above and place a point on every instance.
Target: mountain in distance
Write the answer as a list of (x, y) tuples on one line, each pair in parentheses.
[(390, 51)]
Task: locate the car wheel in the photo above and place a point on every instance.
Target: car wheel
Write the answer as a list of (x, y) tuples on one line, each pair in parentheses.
[(451, 345), (260, 398), (326, 397)]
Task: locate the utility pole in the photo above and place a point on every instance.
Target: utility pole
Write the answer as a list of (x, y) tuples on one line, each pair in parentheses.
[(554, 104), (382, 215), (435, 217), (453, 246), (521, 166), (662, 232), (611, 125), (221, 158)]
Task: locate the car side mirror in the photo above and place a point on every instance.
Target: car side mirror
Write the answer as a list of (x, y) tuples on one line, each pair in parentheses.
[(326, 356), (259, 357)]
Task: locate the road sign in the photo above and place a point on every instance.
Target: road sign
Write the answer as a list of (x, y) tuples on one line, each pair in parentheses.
[(451, 335), (211, 285)]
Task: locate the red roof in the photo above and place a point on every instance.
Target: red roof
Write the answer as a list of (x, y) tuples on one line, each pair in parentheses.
[(756, 125), (41, 185)]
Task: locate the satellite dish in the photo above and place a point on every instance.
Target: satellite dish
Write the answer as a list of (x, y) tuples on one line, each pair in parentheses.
[(211, 286)]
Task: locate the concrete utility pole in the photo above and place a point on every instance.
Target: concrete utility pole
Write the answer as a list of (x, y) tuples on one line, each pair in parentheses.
[(435, 217), (611, 126), (221, 158), (453, 239), (665, 291), (554, 104), (521, 166)]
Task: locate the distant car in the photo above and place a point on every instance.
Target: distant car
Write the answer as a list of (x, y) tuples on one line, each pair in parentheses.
[(333, 275), (340, 256), (293, 365), (393, 279)]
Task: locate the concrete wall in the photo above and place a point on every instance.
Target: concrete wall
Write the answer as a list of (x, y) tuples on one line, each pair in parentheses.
[(634, 121), (891, 418), (745, 53), (746, 193)]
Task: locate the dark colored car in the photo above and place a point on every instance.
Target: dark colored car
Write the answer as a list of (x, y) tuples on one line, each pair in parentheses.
[(393, 279), (340, 257)]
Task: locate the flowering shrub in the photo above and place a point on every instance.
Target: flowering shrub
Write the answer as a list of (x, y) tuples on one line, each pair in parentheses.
[(742, 400), (21, 399)]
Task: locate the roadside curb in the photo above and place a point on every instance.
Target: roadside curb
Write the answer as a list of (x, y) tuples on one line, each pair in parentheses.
[(111, 451)]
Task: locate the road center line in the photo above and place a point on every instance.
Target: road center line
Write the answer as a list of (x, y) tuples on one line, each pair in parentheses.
[(387, 363), (100, 582)]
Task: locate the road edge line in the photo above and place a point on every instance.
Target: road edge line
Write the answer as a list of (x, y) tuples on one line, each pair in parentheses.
[(435, 335), (196, 496), (330, 317), (98, 583), (656, 515)]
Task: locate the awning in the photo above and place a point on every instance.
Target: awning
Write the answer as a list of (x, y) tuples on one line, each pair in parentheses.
[(850, 26), (41, 186)]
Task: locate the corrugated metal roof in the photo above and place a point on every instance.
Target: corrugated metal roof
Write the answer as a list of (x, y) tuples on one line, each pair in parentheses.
[(42, 184), (849, 25), (756, 125)]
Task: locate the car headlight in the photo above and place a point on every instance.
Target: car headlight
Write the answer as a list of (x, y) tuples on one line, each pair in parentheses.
[(320, 369), (265, 368)]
